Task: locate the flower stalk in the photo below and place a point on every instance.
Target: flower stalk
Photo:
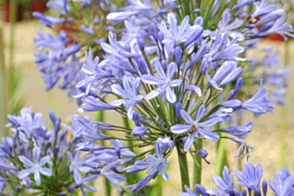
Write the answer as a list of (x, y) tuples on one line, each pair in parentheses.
[(183, 164)]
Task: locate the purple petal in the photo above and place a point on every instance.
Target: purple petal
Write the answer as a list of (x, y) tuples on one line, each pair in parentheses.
[(189, 142), (209, 135), (37, 177), (171, 70), (69, 156), (139, 131), (163, 173), (24, 173), (77, 176), (209, 122), (187, 118), (44, 160), (36, 154), (200, 113), (148, 79), (26, 161), (170, 95), (176, 82), (178, 129), (152, 94), (160, 70), (46, 171)]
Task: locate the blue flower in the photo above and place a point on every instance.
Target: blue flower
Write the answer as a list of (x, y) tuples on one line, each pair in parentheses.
[(141, 184), (221, 49), (262, 8), (175, 35), (48, 20), (129, 93), (250, 177), (91, 73), (226, 74), (57, 4), (240, 131), (277, 27), (90, 131), (164, 143), (242, 3), (271, 59), (225, 185), (224, 25), (156, 164), (259, 104), (77, 166), (282, 187), (134, 7), (35, 167), (94, 104), (139, 130), (196, 127), (165, 82)]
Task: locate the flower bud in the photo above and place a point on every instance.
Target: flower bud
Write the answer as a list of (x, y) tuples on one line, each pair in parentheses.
[(56, 150), (238, 86), (160, 37), (142, 66), (202, 153), (127, 47), (136, 118), (140, 42), (163, 63), (154, 31), (244, 192), (178, 107), (117, 151), (47, 145), (178, 54), (60, 159), (264, 187)]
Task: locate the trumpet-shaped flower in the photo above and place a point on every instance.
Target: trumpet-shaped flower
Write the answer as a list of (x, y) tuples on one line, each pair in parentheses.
[(129, 93), (250, 177), (35, 167), (195, 127), (240, 131), (77, 166), (282, 187), (165, 82)]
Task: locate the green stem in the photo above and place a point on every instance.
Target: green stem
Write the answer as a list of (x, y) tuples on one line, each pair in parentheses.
[(283, 116), (3, 88), (197, 167), (131, 178), (183, 164), (221, 157), (100, 117), (52, 102)]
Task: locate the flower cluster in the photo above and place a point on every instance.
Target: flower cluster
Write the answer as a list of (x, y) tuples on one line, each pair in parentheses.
[(38, 160), (176, 75), (178, 70), (250, 180), (59, 57)]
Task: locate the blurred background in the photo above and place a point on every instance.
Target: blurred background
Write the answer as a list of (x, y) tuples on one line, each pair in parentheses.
[(26, 88)]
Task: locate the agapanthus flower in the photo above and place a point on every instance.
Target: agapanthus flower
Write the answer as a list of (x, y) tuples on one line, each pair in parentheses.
[(282, 186), (35, 167), (165, 82), (225, 185), (77, 166), (129, 93), (250, 177), (196, 127)]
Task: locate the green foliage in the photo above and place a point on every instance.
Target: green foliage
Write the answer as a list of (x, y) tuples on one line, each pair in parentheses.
[(15, 102)]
